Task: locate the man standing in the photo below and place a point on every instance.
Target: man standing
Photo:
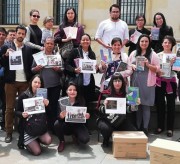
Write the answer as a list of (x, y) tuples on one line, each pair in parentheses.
[(51, 77), (3, 34), (16, 81), (111, 28)]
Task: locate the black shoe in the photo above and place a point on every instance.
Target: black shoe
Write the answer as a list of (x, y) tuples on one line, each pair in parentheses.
[(146, 132), (158, 131), (178, 140), (169, 133), (105, 143), (8, 138)]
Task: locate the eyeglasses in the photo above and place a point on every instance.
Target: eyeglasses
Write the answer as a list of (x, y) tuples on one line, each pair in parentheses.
[(37, 16), (117, 81)]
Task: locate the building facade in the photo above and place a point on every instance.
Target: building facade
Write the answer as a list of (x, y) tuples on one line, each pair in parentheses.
[(90, 12)]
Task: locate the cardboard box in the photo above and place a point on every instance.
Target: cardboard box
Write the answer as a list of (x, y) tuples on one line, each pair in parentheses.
[(129, 144), (165, 152)]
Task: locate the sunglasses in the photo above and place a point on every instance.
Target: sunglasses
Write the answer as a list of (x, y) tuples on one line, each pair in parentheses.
[(37, 16)]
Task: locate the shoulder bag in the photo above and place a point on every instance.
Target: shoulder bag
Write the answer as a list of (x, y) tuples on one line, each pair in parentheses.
[(36, 124)]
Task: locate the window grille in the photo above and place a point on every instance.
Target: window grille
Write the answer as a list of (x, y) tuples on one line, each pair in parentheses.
[(131, 8), (9, 12), (60, 8)]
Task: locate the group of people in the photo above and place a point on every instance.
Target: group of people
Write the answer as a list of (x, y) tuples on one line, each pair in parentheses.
[(68, 80)]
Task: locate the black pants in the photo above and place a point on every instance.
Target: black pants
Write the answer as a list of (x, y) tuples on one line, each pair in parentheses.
[(161, 94), (53, 97), (106, 129), (79, 130)]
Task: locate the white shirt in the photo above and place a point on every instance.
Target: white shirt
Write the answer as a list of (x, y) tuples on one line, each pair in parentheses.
[(108, 30), (86, 76)]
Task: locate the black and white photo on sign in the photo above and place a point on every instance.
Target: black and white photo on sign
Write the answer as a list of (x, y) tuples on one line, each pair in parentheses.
[(54, 60), (34, 105), (41, 92), (63, 102), (15, 60), (40, 58), (115, 105), (75, 114), (87, 66)]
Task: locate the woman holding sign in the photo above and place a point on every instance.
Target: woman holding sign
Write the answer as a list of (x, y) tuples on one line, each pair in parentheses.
[(113, 122), (161, 26), (78, 130), (145, 64), (32, 143), (166, 87), (118, 64)]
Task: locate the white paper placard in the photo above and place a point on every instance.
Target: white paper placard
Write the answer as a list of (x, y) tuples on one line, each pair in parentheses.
[(75, 114), (116, 105), (87, 66), (15, 60)]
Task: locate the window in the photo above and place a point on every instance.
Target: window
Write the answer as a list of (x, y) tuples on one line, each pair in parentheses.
[(9, 12), (60, 7), (131, 8)]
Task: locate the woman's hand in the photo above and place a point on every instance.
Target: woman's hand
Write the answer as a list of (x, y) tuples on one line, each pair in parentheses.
[(103, 64), (77, 70), (25, 114), (172, 60), (46, 102), (146, 62), (133, 67), (87, 115), (105, 102), (62, 114)]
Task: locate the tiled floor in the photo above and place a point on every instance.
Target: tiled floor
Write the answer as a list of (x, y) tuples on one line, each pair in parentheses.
[(93, 153)]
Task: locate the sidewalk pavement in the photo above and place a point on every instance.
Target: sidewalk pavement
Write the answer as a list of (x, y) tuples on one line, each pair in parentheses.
[(93, 153)]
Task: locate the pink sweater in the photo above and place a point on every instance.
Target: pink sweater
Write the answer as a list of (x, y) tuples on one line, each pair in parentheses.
[(151, 80)]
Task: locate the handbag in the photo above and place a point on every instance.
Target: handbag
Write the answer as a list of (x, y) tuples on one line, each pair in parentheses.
[(115, 120), (36, 125), (66, 49)]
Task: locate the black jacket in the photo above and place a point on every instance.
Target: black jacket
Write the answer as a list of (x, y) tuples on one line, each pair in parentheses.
[(130, 44), (10, 75), (157, 44)]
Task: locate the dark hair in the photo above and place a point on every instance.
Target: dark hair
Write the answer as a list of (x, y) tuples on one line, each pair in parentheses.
[(22, 27), (78, 98), (148, 50), (30, 82), (32, 11), (116, 39), (164, 20), (171, 39), (11, 30), (114, 5), (141, 16), (3, 30), (89, 48), (122, 90), (65, 20)]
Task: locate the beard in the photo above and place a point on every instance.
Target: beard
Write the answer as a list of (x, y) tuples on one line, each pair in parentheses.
[(20, 39), (115, 18)]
